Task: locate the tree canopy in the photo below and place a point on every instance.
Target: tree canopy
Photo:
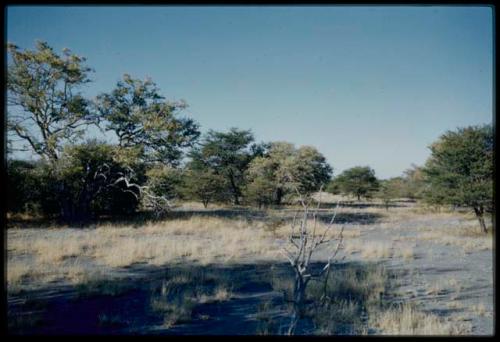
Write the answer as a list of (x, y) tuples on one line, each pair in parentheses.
[(284, 169), (460, 170), (358, 181), (45, 107), (226, 154), (140, 116)]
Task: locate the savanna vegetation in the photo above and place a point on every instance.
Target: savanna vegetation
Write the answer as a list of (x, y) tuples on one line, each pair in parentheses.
[(156, 193)]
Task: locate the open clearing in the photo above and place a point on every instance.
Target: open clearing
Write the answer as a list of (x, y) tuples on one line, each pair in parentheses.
[(220, 271)]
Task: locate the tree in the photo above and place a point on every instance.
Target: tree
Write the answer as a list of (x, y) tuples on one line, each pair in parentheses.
[(358, 181), (390, 189), (311, 170), (460, 170), (140, 116), (45, 108), (333, 187), (268, 175), (276, 173), (261, 188), (305, 238), (226, 155), (413, 183), (205, 185), (164, 180)]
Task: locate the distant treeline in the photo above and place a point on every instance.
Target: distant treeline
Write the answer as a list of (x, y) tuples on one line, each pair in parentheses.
[(155, 154)]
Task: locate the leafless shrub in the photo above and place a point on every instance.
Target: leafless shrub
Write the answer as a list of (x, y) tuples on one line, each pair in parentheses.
[(303, 241)]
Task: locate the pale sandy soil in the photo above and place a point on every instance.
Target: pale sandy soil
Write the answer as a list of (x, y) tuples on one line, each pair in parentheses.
[(438, 261)]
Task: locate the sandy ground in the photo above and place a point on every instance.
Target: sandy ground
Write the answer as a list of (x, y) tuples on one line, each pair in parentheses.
[(444, 279)]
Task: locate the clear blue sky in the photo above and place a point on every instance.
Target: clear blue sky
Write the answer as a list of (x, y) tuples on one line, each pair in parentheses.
[(365, 85)]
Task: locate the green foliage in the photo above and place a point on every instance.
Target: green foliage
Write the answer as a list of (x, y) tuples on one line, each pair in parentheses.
[(165, 181), (139, 116), (46, 110), (88, 182), (333, 187), (44, 106), (310, 170), (206, 186), (260, 191), (413, 183), (358, 181), (460, 169), (226, 155), (390, 189), (284, 168), (22, 188)]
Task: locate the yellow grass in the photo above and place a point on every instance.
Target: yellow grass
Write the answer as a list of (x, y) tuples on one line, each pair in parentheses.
[(59, 253), (480, 310), (404, 251), (407, 320), (459, 237), (376, 250)]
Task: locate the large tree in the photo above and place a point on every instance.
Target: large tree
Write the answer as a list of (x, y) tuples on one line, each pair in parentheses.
[(226, 154), (45, 108), (139, 116), (284, 168), (460, 170), (358, 181)]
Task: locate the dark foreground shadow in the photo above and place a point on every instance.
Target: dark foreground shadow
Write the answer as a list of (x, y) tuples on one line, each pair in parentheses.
[(363, 205), (351, 218), (141, 218), (249, 299)]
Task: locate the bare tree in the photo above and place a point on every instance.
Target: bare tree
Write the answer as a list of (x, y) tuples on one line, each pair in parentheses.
[(305, 238)]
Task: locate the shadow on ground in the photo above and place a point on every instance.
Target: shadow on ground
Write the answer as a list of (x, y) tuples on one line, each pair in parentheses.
[(140, 218), (192, 300)]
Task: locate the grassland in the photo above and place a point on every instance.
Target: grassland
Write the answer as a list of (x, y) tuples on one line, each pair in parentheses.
[(404, 271)]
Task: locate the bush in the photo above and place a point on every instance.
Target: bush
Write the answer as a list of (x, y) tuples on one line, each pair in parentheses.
[(88, 181), (22, 189)]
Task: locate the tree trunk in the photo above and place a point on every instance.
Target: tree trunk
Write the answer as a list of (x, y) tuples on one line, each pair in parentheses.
[(479, 214), (66, 204), (235, 190), (298, 303), (279, 196), (359, 197)]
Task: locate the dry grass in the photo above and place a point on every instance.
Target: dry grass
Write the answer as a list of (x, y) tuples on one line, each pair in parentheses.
[(352, 246), (86, 256), (181, 291), (349, 232), (463, 237), (376, 250), (17, 272), (454, 305), (479, 310), (405, 251), (61, 253), (407, 320), (436, 289)]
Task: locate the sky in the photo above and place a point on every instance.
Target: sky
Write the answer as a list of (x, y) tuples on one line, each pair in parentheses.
[(364, 85)]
